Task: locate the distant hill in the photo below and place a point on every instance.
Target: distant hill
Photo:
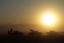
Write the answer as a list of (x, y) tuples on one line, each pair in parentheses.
[(19, 27)]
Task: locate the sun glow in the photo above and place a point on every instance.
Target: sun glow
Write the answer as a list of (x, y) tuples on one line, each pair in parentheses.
[(48, 18)]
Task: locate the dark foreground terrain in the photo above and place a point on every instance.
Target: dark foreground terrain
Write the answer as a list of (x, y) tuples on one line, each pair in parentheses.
[(32, 37)]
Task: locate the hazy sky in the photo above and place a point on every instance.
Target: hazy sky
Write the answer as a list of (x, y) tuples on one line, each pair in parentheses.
[(26, 11)]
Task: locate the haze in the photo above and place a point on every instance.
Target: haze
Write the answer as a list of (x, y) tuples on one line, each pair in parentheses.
[(30, 11)]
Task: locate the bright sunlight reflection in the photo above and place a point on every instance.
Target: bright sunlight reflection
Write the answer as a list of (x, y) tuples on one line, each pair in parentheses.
[(48, 18)]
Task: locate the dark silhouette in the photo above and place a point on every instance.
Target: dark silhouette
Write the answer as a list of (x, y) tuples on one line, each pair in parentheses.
[(10, 32), (15, 33), (35, 34), (53, 34), (32, 37), (30, 29)]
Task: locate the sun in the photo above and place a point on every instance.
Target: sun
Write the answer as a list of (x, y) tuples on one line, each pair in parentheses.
[(48, 19)]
